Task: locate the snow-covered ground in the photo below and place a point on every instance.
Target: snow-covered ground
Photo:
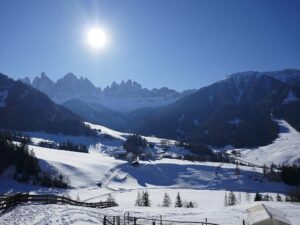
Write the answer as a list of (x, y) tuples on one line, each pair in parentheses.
[(204, 183), (284, 150), (210, 206)]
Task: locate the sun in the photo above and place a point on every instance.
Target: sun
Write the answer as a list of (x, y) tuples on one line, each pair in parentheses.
[(97, 38)]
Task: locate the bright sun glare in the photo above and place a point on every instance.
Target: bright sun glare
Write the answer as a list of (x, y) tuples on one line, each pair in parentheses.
[(97, 38)]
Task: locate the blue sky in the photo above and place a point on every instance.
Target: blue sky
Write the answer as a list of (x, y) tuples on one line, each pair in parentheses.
[(176, 43)]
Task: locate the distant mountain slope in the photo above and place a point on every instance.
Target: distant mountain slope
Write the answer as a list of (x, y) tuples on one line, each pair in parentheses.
[(99, 114), (236, 110), (124, 97), (24, 108)]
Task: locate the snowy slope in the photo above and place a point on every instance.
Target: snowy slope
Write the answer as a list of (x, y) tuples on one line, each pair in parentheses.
[(83, 169), (285, 149), (123, 136), (200, 182)]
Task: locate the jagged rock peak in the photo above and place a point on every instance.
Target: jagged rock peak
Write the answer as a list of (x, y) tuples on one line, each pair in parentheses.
[(70, 76), (26, 80)]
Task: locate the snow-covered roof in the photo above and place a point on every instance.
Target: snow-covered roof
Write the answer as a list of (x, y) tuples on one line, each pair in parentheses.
[(261, 213)]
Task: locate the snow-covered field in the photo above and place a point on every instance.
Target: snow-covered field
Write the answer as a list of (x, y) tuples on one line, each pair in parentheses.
[(284, 150), (209, 206), (204, 183)]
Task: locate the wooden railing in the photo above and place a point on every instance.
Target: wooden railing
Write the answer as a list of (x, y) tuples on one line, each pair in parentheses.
[(7, 201)]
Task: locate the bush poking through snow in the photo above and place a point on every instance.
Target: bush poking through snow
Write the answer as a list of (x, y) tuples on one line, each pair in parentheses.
[(189, 204)]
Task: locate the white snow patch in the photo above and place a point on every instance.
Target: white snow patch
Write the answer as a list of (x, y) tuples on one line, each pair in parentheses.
[(290, 98)]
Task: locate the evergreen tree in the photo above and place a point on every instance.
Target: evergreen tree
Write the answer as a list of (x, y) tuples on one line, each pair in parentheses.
[(278, 198), (178, 201), (145, 199), (231, 199), (258, 197), (166, 200), (138, 201)]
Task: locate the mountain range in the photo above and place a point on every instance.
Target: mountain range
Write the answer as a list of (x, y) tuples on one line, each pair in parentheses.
[(238, 110), (122, 97), (23, 108)]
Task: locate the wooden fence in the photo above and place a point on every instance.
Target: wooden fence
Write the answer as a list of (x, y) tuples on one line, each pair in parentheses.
[(7, 201), (132, 220)]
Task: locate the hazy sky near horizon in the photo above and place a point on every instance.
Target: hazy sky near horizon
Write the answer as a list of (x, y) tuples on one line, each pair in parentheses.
[(175, 43)]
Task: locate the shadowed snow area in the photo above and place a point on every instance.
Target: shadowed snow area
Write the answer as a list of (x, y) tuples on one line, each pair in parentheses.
[(184, 174)]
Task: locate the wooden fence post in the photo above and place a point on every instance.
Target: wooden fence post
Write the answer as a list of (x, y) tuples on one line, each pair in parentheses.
[(243, 222), (205, 221), (160, 220), (134, 221), (104, 220), (118, 220)]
